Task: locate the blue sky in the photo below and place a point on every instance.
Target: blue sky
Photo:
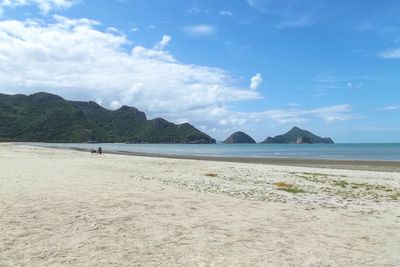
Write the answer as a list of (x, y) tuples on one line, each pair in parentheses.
[(261, 66)]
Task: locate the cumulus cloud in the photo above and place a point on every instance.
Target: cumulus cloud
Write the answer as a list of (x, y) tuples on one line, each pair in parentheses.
[(45, 6), (255, 81), (73, 58), (200, 30), (163, 42)]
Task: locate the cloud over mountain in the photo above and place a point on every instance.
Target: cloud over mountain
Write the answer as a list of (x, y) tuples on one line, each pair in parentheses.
[(75, 59)]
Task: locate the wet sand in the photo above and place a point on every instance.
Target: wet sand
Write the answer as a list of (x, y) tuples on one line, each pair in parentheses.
[(71, 208), (389, 166), (369, 165)]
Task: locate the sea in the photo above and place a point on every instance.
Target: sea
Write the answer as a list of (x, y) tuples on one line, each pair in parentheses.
[(383, 152)]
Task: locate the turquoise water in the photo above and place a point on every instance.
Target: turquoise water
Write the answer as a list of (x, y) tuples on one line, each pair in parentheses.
[(314, 151)]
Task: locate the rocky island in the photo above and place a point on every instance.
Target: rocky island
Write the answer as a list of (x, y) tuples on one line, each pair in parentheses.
[(239, 138), (44, 117), (297, 136)]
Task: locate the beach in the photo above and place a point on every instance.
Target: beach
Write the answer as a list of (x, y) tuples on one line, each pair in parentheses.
[(72, 208)]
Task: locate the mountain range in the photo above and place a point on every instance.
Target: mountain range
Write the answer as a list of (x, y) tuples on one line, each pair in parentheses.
[(44, 117)]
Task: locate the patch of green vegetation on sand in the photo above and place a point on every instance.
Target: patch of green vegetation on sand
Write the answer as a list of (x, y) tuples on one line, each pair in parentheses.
[(341, 183), (395, 196), (287, 187), (372, 187)]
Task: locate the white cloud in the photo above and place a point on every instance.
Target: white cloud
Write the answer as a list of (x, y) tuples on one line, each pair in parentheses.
[(163, 42), (292, 115), (200, 30), (193, 10), (391, 107), (329, 78), (196, 10), (354, 86), (259, 5), (293, 104), (226, 13), (328, 114), (82, 62), (114, 30), (299, 21), (115, 104), (291, 14), (134, 29), (256, 81), (332, 113), (45, 6), (74, 59), (390, 54)]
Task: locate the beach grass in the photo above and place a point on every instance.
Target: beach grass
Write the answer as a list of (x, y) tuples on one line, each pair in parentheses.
[(341, 183), (395, 196), (287, 187)]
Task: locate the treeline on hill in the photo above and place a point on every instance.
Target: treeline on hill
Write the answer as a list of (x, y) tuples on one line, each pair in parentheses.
[(44, 117)]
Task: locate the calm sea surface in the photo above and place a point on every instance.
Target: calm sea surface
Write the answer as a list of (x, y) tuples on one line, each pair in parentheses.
[(314, 151)]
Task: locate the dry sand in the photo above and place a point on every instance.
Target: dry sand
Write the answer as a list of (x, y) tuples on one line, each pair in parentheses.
[(63, 208)]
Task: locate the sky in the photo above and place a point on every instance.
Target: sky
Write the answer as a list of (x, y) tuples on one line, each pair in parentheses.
[(259, 66)]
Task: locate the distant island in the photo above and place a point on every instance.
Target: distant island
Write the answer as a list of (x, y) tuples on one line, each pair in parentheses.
[(239, 138), (44, 117), (297, 136)]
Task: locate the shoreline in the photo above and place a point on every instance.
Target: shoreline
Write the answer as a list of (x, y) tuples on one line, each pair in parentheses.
[(367, 165)]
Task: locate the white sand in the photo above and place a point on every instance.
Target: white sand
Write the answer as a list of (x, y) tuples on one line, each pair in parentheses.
[(72, 208)]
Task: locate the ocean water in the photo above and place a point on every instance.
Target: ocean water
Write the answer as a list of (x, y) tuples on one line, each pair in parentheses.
[(306, 151)]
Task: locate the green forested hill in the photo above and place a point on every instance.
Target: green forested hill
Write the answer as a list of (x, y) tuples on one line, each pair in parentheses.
[(44, 117), (299, 136), (239, 138)]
